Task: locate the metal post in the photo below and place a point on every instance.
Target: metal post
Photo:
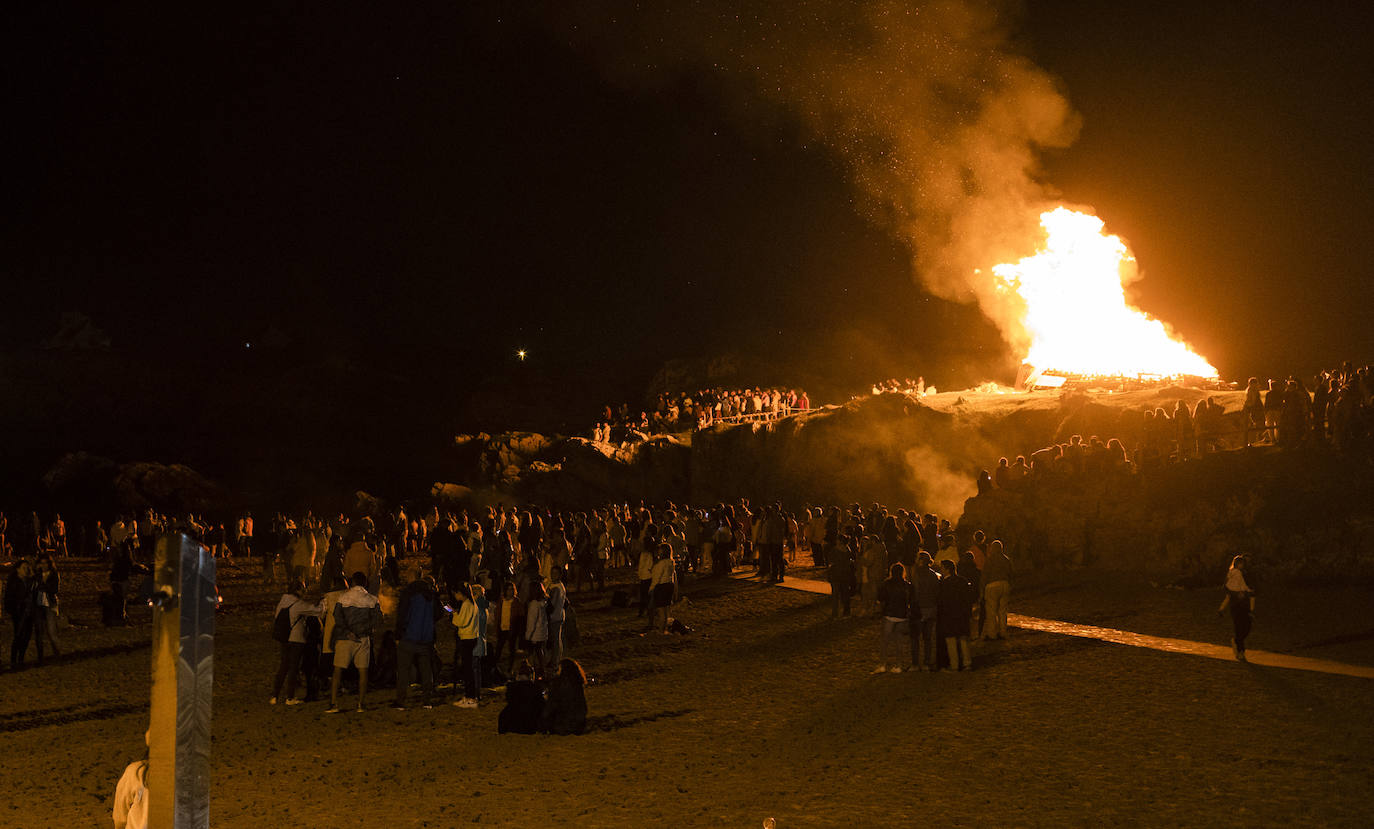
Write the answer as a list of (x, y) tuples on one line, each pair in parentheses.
[(183, 679)]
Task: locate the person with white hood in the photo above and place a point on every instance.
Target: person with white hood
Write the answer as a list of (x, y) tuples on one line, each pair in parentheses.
[(131, 794), (1240, 598)]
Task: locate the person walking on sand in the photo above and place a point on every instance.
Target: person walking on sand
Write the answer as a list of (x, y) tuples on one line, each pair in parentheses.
[(1240, 599)]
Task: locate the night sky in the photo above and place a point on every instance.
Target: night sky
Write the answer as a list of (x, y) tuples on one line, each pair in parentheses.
[(422, 191)]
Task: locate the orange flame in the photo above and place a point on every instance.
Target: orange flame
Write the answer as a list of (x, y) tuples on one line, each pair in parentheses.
[(1076, 315)]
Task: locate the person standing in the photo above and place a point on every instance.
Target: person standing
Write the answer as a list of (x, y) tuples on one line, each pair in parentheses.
[(894, 604), (59, 535), (537, 627), (662, 586), (558, 614), (244, 537), (45, 607), (872, 571), (356, 616), (644, 570), (293, 646), (925, 599), (469, 621), (19, 604), (842, 577), (1240, 599), (416, 615), (996, 591), (954, 600)]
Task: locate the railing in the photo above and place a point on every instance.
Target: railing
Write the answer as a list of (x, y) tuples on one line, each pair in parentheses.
[(757, 417)]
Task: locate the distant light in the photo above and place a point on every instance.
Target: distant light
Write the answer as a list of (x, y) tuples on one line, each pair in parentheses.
[(247, 345), (521, 354)]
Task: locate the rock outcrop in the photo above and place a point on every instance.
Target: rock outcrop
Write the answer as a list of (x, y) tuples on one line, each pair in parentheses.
[(1301, 514)]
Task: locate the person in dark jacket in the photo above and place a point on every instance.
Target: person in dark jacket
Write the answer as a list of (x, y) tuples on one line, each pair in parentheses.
[(954, 603), (417, 611), (925, 589), (843, 578), (20, 602), (565, 711), (996, 589), (524, 704), (894, 604), (356, 616)]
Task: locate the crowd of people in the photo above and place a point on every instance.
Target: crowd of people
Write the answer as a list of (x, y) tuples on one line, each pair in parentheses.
[(1338, 409), (702, 409), (905, 386), (1339, 414)]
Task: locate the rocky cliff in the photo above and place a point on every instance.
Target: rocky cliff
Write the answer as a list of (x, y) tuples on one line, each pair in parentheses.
[(1303, 513)]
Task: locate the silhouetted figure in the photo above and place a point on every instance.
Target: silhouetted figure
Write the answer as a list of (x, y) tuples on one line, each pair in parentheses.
[(565, 710), (1240, 599)]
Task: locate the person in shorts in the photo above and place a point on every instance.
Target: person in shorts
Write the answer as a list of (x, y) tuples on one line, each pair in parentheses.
[(356, 616)]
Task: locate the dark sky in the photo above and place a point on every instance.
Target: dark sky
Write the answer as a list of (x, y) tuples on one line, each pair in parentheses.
[(438, 187)]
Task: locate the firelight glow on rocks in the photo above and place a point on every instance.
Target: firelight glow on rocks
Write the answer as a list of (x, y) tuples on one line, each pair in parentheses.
[(1076, 315)]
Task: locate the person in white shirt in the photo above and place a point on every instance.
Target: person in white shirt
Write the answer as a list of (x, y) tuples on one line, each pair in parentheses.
[(662, 583)]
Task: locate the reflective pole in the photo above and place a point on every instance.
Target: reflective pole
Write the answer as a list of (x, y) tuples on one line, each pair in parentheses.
[(183, 679)]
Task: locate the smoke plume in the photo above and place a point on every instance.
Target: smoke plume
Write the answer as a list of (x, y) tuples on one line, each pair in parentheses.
[(935, 115)]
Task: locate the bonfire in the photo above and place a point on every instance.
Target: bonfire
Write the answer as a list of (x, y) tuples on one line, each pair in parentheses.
[(1077, 321)]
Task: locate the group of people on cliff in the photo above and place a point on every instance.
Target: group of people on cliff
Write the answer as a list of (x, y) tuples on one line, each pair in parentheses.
[(1337, 409), (892, 385), (1338, 413), (702, 409)]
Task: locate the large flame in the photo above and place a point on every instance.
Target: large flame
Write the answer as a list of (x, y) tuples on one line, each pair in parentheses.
[(1076, 313)]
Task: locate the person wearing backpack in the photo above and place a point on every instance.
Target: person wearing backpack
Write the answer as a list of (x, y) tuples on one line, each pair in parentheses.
[(288, 628), (356, 616), (416, 615)]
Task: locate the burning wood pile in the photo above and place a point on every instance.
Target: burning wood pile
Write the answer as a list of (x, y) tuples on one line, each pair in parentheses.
[(1080, 330)]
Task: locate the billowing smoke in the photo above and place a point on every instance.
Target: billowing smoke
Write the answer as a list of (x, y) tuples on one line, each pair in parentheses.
[(934, 113)]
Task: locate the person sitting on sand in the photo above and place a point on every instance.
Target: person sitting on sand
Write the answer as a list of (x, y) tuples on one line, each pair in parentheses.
[(565, 711), (524, 704), (131, 794)]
